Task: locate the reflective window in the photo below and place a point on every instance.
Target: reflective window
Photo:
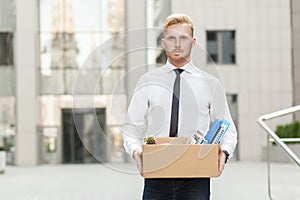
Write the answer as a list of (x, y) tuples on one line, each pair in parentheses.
[(7, 28), (157, 11), (7, 127), (7, 16), (6, 49), (78, 35), (7, 79), (221, 47), (81, 52)]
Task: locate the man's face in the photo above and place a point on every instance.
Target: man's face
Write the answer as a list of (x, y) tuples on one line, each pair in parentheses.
[(178, 43)]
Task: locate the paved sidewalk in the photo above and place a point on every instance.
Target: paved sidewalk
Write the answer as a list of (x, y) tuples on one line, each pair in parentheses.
[(248, 181), (240, 181)]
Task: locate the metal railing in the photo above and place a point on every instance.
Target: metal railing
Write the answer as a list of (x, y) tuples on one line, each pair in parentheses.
[(272, 137)]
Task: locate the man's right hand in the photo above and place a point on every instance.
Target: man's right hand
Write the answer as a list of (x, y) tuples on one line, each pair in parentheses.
[(137, 156)]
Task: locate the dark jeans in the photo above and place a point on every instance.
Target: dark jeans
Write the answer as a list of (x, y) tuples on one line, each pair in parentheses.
[(178, 188)]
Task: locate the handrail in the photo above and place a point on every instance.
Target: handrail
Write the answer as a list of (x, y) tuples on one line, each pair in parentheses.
[(273, 135), (286, 140), (279, 141)]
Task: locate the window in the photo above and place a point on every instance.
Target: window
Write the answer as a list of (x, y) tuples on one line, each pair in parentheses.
[(69, 41), (221, 47), (6, 48), (80, 40), (7, 79), (157, 11)]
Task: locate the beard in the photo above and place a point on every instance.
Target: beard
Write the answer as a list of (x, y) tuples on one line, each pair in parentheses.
[(177, 57)]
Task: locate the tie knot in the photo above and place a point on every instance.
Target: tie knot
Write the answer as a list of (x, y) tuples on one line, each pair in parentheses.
[(178, 71)]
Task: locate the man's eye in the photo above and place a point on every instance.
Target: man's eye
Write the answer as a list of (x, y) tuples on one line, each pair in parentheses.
[(171, 38), (183, 38)]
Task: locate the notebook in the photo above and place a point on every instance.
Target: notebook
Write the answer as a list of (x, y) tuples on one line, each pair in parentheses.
[(216, 132)]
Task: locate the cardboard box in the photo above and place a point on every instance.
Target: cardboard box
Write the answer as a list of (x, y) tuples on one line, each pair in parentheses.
[(174, 158)]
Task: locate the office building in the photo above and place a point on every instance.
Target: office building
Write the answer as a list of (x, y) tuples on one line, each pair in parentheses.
[(68, 68)]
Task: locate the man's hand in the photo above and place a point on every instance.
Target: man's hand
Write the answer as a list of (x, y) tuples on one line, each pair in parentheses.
[(222, 159), (137, 156)]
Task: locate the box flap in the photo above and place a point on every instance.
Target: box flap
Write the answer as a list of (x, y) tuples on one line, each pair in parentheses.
[(172, 140)]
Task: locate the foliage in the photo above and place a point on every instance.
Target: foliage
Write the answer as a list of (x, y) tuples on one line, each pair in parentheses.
[(1, 148), (150, 140), (291, 130)]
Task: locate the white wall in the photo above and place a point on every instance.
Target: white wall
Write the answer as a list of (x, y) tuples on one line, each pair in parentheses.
[(262, 75)]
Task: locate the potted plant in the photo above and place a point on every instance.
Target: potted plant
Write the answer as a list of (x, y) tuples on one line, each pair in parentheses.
[(2, 159)]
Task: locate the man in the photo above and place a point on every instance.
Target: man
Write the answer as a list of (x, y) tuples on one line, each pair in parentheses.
[(177, 100)]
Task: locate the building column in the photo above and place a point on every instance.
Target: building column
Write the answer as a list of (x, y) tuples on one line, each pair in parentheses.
[(295, 15), (136, 42), (26, 66)]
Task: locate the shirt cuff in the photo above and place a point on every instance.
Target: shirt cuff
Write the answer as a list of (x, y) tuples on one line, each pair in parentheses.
[(227, 148), (134, 147)]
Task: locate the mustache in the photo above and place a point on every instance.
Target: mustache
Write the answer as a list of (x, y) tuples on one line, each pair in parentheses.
[(177, 50)]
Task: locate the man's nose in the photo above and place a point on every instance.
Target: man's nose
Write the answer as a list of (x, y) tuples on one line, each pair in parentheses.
[(177, 42)]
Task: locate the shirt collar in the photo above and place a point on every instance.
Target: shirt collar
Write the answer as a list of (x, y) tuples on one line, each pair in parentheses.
[(189, 67)]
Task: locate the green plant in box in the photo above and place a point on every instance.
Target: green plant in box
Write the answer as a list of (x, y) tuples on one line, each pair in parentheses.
[(150, 140)]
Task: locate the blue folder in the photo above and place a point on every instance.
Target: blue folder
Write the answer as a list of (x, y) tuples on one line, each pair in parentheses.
[(216, 132)]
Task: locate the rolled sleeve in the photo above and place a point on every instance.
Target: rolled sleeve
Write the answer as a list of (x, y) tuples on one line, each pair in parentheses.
[(219, 110), (134, 123)]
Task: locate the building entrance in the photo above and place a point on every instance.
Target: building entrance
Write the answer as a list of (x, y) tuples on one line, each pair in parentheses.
[(83, 140)]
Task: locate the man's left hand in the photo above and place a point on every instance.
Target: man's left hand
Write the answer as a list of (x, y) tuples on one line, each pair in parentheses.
[(222, 159)]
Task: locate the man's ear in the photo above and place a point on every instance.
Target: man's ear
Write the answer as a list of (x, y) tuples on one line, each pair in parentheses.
[(194, 42)]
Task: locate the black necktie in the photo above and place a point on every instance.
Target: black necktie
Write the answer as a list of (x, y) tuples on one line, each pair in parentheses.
[(175, 104)]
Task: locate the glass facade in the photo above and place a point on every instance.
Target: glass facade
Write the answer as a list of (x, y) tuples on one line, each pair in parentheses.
[(7, 78), (71, 33), (77, 41)]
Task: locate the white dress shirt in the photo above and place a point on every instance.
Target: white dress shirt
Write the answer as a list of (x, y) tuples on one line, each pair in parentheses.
[(202, 100)]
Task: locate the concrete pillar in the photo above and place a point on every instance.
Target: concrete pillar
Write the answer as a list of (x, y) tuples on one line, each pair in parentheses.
[(26, 67), (135, 37), (296, 52)]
